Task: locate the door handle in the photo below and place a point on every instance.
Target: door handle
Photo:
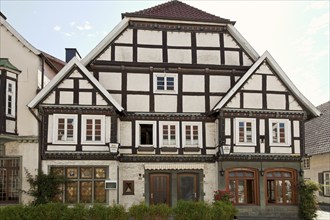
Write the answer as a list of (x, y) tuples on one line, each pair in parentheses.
[(151, 195)]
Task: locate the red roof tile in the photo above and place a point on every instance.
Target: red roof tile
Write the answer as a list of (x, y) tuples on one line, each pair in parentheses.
[(176, 10)]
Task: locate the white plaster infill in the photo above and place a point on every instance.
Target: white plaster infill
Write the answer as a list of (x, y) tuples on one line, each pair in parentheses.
[(280, 73), (74, 63)]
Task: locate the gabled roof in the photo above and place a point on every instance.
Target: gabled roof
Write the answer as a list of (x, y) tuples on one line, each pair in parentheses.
[(74, 63), (6, 65), (18, 36), (280, 73), (317, 132), (176, 10), (54, 62)]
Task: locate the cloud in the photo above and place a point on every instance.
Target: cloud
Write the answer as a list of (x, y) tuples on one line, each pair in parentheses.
[(72, 23), (56, 28), (85, 26)]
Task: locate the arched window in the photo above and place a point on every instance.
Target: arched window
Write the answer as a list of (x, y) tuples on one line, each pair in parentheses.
[(242, 183), (281, 186)]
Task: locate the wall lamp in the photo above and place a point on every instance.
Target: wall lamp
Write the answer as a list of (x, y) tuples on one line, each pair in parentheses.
[(261, 170), (222, 172)]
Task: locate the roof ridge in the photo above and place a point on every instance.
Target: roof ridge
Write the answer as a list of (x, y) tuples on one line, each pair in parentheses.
[(177, 10)]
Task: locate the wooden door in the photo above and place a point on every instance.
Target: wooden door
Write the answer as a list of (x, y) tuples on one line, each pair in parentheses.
[(187, 187), (160, 189)]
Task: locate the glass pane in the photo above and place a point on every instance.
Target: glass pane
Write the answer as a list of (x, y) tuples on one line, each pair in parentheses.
[(282, 133), (279, 188), (232, 189), (86, 192), (172, 135), (250, 191), (249, 174), (71, 192), (286, 174), (99, 192), (275, 132), (86, 172), (271, 191), (165, 135), (100, 173), (288, 191), (186, 188), (195, 135), (188, 135), (170, 83), (240, 191), (57, 170), (248, 132), (146, 134), (241, 131), (72, 173), (160, 83), (70, 127)]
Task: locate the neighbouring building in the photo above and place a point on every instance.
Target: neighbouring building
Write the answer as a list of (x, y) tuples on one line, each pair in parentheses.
[(24, 70), (171, 105), (317, 160)]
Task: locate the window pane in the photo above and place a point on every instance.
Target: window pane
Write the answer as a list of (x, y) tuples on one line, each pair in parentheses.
[(146, 134), (100, 173), (241, 131), (86, 192), (195, 135), (240, 191), (282, 133), (72, 173), (71, 192), (188, 135), (99, 192), (275, 132), (232, 189), (86, 173), (172, 134), (170, 83), (288, 191), (248, 132), (160, 83), (279, 198), (165, 135)]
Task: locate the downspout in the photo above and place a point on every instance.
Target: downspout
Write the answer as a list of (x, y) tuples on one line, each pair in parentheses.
[(117, 184), (39, 142)]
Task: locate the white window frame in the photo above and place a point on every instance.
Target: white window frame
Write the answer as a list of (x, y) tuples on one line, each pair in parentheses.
[(200, 134), (326, 183), (56, 117), (84, 119), (11, 94), (253, 131), (137, 133), (177, 136), (165, 75), (306, 163), (287, 130)]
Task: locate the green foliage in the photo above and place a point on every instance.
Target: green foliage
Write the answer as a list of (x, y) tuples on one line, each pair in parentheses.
[(139, 212), (223, 210), (183, 211), (43, 187), (160, 211), (307, 199)]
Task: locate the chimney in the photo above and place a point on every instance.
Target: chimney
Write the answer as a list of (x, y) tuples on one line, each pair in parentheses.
[(2, 15), (70, 53)]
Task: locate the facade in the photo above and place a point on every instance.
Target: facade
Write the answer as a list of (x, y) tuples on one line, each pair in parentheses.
[(174, 104), (317, 159), (24, 70)]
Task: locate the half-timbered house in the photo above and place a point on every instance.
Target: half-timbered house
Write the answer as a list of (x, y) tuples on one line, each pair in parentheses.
[(172, 105), (24, 70)]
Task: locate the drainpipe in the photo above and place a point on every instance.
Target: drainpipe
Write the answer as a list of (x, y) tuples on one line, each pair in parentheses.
[(117, 184)]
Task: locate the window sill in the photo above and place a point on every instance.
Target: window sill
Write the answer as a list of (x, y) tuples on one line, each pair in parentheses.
[(147, 149), (192, 149), (169, 149)]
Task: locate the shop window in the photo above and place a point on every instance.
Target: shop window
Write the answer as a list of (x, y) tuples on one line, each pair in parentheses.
[(281, 185), (242, 184), (82, 185)]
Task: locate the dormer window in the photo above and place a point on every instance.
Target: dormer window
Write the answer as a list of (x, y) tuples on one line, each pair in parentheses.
[(165, 83)]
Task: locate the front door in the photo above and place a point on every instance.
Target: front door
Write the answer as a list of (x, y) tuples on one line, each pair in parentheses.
[(159, 188), (187, 187)]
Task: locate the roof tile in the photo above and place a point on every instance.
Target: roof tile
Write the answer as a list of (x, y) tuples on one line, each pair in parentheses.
[(176, 10)]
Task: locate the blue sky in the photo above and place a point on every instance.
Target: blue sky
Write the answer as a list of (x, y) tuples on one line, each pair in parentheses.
[(296, 33)]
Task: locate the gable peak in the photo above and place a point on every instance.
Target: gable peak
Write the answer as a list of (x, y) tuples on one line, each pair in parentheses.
[(177, 10)]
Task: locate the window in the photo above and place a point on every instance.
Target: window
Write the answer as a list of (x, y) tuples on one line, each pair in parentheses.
[(279, 132), (165, 83), (10, 98), (145, 133), (169, 134), (306, 162), (326, 179), (93, 129), (245, 133), (65, 129), (242, 183), (83, 184), (281, 186), (192, 134), (9, 180)]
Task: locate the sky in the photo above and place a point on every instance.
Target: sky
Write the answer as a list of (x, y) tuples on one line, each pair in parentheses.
[(296, 33)]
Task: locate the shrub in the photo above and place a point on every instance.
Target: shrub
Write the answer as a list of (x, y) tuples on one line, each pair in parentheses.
[(139, 212), (160, 211), (187, 210), (117, 212), (223, 210), (43, 187), (307, 199), (77, 212), (12, 212)]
